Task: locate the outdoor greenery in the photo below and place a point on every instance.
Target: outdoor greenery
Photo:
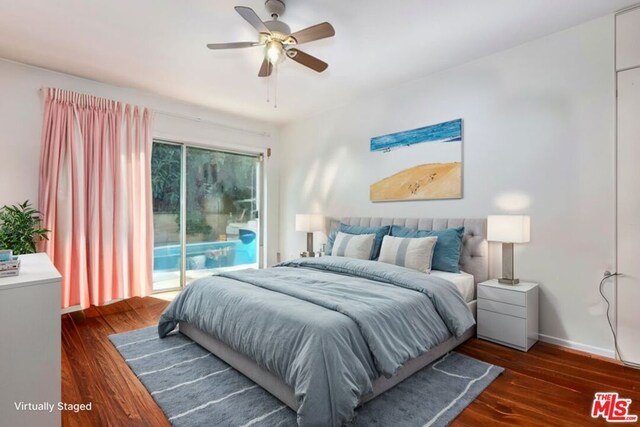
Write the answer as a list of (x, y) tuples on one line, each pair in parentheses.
[(196, 224), (20, 228), (227, 177), (165, 179), (216, 183)]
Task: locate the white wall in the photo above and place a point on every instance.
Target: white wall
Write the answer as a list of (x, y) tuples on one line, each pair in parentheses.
[(21, 124), (538, 139)]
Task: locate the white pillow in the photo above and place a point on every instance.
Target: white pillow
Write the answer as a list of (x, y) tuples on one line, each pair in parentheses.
[(353, 245), (411, 252)]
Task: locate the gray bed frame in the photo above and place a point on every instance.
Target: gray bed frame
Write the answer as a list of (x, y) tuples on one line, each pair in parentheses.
[(474, 260)]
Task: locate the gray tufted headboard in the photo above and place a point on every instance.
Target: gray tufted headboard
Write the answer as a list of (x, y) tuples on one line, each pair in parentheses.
[(475, 248)]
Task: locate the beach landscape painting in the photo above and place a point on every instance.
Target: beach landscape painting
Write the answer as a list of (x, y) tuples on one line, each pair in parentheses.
[(433, 159)]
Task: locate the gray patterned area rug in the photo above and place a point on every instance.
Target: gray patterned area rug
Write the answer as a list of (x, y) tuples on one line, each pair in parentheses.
[(195, 388)]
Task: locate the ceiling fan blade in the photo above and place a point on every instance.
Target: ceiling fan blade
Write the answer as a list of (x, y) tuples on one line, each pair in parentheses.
[(252, 18), (266, 69), (235, 45), (307, 60), (317, 32)]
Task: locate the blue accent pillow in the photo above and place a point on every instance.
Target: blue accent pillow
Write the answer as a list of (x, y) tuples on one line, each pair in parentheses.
[(331, 239), (380, 232), (446, 255)]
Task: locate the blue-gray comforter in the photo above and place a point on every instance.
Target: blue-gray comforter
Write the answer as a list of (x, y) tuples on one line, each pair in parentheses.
[(327, 326)]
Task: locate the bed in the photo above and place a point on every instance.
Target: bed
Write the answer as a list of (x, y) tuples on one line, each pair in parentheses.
[(323, 354)]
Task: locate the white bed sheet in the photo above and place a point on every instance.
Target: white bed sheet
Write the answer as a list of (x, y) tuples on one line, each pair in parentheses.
[(463, 281)]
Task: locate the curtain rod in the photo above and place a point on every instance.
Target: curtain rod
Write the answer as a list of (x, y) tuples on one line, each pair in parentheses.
[(211, 122)]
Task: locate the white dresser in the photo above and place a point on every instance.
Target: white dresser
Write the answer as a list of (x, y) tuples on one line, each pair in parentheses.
[(508, 314), (30, 343)]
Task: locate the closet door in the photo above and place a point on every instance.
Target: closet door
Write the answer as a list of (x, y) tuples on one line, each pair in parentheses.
[(627, 36), (628, 285)]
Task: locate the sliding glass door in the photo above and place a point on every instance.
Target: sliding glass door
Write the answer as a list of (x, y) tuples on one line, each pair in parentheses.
[(166, 186), (206, 212)]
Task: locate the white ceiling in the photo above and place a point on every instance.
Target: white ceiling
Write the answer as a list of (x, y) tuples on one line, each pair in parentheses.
[(159, 45)]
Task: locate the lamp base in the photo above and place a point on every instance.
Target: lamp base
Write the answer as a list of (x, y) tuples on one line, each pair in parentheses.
[(307, 254), (310, 245), (507, 266)]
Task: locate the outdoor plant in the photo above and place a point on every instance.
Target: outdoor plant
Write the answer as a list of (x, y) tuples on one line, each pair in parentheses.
[(165, 179), (196, 223), (20, 228)]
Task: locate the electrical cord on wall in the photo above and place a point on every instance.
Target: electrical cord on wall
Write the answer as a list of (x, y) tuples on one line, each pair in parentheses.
[(608, 275)]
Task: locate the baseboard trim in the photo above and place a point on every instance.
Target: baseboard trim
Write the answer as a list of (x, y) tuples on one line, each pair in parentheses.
[(578, 346), (71, 309), (75, 308)]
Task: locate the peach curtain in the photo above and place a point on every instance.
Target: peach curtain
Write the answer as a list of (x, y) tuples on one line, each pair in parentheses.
[(95, 196)]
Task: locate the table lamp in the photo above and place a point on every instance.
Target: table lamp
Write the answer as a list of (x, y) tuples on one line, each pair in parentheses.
[(309, 223), (508, 229)]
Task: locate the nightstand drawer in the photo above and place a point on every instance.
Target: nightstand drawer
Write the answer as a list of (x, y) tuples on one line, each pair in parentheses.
[(502, 308), (502, 295), (502, 328)]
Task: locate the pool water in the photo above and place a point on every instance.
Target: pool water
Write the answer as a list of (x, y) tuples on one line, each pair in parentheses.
[(207, 255)]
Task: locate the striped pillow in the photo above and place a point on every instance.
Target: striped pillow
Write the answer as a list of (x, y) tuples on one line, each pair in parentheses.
[(411, 252), (353, 245)]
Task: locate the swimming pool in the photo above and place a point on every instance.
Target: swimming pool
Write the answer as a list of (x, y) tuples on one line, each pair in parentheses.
[(207, 255)]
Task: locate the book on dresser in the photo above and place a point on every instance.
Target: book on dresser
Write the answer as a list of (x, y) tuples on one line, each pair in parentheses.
[(10, 268)]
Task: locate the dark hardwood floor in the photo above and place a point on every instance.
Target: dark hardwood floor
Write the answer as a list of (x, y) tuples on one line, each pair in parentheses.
[(93, 371), (546, 386)]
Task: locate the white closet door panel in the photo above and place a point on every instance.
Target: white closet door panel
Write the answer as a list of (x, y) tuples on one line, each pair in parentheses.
[(628, 314), (627, 39)]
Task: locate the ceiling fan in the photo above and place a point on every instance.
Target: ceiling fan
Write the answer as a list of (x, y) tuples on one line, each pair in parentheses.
[(278, 39)]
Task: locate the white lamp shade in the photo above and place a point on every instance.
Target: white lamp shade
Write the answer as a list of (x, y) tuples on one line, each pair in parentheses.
[(309, 222), (509, 228)]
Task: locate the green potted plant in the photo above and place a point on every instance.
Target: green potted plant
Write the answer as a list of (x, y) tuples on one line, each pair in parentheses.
[(20, 228)]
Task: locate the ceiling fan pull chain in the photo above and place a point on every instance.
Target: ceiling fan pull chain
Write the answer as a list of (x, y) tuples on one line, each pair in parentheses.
[(275, 95), (268, 84)]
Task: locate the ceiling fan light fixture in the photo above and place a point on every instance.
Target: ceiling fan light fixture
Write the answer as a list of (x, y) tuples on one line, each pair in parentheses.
[(275, 53), (277, 40)]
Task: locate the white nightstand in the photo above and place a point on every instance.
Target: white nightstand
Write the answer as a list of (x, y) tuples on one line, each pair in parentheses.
[(508, 314)]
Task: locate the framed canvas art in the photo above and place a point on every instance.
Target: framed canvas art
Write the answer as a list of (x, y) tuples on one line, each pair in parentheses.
[(433, 155)]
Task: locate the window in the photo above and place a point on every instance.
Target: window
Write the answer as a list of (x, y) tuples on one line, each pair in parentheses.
[(206, 206)]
